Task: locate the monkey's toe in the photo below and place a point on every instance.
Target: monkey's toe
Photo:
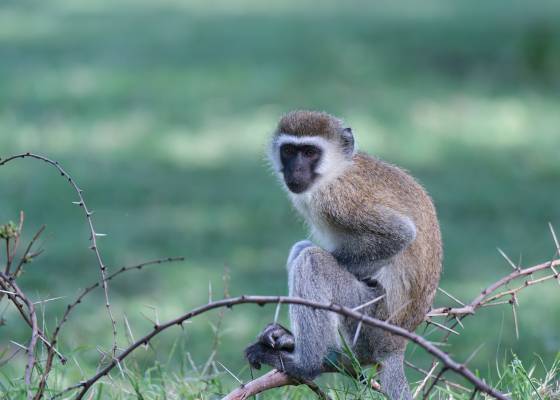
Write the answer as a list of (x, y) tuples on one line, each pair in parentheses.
[(259, 353), (253, 354), (277, 337), (285, 342)]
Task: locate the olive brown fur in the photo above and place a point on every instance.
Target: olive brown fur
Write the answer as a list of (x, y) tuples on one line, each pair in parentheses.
[(377, 235), (310, 123)]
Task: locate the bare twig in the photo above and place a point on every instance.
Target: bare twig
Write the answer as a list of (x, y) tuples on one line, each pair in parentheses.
[(434, 383), (446, 360), (270, 380), (25, 258), (492, 296), (27, 255), (357, 333), (11, 253), (369, 303), (94, 234), (554, 237), (427, 373), (425, 380), (72, 306), (511, 263), (218, 326), (429, 321), (10, 357), (451, 296), (515, 321), (487, 296), (34, 331), (12, 296)]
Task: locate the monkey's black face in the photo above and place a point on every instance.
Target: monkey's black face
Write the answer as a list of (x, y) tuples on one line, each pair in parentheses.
[(299, 163)]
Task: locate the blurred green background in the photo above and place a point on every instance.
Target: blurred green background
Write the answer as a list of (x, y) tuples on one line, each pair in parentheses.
[(161, 111)]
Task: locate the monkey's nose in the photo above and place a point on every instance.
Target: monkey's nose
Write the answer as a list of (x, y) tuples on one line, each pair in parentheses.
[(296, 186)]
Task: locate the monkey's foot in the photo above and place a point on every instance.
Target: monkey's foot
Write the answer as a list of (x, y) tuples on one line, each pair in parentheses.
[(274, 345), (277, 337), (259, 353)]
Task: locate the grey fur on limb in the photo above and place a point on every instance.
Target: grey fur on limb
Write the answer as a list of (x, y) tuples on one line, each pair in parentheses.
[(314, 274)]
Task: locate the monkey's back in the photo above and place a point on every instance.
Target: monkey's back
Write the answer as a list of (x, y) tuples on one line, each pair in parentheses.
[(412, 277)]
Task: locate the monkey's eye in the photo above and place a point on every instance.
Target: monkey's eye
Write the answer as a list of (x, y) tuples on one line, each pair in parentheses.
[(288, 151), (310, 152)]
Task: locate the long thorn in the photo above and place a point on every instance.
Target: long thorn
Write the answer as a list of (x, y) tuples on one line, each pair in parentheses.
[(515, 267)]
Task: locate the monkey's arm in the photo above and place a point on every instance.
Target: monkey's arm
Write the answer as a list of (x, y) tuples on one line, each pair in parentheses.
[(375, 230)]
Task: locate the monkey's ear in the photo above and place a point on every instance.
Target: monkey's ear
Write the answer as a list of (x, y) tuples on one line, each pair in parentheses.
[(348, 140)]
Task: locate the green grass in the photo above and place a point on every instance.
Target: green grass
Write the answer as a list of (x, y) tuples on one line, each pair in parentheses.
[(166, 380), (161, 111)]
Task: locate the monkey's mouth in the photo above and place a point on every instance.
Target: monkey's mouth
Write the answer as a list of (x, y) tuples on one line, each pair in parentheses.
[(297, 187)]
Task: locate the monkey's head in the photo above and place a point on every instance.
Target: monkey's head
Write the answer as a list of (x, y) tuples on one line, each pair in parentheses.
[(309, 147)]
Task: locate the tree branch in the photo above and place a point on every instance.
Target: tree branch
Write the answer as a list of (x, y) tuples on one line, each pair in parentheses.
[(72, 306), (93, 233), (25, 258), (28, 321), (34, 331), (271, 380), (447, 361), (487, 296)]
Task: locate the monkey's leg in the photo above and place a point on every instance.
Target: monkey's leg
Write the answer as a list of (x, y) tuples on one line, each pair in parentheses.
[(393, 379), (314, 274), (296, 250)]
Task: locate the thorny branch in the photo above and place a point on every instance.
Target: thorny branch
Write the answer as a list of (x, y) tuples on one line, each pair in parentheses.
[(9, 282), (70, 308), (93, 233), (26, 258), (268, 381), (492, 296), (11, 295), (11, 252), (445, 359), (9, 288), (28, 255), (488, 297), (429, 374)]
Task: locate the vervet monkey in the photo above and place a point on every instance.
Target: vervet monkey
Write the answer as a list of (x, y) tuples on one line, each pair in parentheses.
[(377, 234)]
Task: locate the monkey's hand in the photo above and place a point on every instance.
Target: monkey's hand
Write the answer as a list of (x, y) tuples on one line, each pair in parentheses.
[(277, 337), (274, 344)]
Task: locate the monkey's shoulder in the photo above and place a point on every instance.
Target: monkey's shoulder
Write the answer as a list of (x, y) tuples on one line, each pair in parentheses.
[(380, 172), (371, 180)]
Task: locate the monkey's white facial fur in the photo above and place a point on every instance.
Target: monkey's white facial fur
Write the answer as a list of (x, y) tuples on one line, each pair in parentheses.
[(331, 163)]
